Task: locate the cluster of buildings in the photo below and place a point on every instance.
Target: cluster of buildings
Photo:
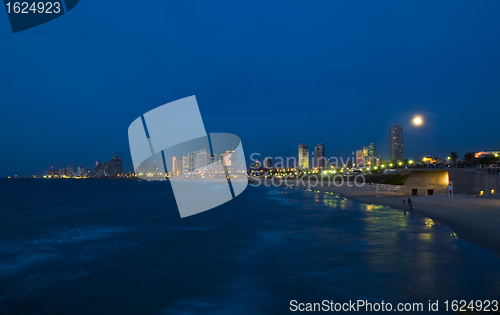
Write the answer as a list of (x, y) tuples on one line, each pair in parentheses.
[(319, 160), (62, 172), (367, 157), (112, 168), (195, 164)]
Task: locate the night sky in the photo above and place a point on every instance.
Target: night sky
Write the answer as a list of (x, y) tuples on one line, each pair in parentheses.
[(275, 73)]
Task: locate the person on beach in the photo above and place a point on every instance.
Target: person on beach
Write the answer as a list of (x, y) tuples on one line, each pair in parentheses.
[(409, 201), (411, 208)]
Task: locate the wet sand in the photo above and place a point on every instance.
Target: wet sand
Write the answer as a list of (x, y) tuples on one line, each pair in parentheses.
[(475, 219)]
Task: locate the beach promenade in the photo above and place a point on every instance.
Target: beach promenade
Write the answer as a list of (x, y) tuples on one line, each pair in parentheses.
[(475, 219)]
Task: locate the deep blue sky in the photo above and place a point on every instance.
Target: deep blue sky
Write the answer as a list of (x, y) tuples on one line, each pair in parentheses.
[(276, 73)]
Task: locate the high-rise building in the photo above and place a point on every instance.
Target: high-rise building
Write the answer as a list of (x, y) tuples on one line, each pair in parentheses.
[(69, 171), (319, 156), (372, 151), (62, 172), (188, 162), (230, 159), (114, 167), (99, 169), (360, 159), (215, 157), (396, 142), (370, 154), (80, 171), (202, 159), (303, 156), (268, 162), (177, 165), (218, 167), (52, 172)]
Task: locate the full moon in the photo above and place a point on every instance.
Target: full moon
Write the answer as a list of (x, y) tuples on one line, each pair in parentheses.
[(417, 121)]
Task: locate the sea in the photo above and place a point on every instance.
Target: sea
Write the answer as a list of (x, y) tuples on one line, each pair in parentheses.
[(87, 246)]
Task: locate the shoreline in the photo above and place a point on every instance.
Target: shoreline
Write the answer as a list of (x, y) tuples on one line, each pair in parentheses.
[(473, 219)]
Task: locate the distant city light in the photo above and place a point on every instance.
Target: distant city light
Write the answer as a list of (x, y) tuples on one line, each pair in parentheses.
[(417, 120)]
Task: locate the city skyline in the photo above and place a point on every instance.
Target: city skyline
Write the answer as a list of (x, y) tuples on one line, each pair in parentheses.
[(365, 157), (313, 82)]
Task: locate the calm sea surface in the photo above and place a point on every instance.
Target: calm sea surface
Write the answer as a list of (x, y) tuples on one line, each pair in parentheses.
[(120, 247)]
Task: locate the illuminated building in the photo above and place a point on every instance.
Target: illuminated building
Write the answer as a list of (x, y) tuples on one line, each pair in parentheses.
[(177, 165), (69, 171), (360, 159), (319, 156), (99, 169), (80, 171), (202, 159), (215, 157), (62, 172), (303, 156), (52, 172), (396, 142), (188, 163), (372, 152), (230, 159), (114, 167), (268, 162), (486, 153)]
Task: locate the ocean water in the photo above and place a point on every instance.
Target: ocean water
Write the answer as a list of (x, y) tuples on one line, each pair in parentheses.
[(120, 247)]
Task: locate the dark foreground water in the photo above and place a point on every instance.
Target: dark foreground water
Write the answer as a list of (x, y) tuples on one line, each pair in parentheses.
[(119, 247)]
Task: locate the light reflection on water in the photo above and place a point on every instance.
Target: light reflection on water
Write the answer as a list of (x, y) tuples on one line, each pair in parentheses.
[(252, 255)]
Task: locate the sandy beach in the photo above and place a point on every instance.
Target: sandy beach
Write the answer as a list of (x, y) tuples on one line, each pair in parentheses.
[(475, 219)]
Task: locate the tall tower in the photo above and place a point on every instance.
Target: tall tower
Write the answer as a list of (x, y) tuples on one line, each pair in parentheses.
[(396, 142), (372, 154), (177, 165), (303, 156), (319, 156)]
